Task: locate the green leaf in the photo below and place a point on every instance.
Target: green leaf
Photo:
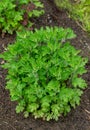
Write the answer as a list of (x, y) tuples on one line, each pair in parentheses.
[(79, 82), (26, 114), (32, 107), (20, 107)]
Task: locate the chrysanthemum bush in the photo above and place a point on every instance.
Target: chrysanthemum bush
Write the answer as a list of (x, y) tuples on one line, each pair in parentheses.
[(44, 73), (14, 13)]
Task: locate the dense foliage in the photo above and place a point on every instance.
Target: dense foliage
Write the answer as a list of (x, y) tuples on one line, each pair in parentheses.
[(79, 10), (14, 13), (44, 72)]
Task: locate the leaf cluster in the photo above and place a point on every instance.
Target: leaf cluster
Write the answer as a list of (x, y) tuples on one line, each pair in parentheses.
[(44, 72), (12, 12)]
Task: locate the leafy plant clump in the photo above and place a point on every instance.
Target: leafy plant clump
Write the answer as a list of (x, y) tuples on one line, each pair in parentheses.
[(44, 73), (78, 9), (15, 13)]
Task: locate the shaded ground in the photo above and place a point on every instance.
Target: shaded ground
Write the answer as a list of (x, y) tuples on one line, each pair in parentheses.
[(77, 119)]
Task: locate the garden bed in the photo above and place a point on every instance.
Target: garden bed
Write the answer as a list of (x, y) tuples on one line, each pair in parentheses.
[(77, 119)]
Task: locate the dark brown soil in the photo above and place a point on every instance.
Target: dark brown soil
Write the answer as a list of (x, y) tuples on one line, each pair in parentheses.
[(77, 119)]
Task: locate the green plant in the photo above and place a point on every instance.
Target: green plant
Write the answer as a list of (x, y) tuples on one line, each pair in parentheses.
[(78, 9), (81, 12), (14, 13), (44, 72), (63, 4)]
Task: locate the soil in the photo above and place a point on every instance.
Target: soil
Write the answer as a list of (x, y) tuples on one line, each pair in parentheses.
[(77, 119)]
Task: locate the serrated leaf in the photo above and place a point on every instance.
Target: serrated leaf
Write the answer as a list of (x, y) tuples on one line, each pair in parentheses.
[(32, 107), (19, 108), (79, 82), (26, 114)]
